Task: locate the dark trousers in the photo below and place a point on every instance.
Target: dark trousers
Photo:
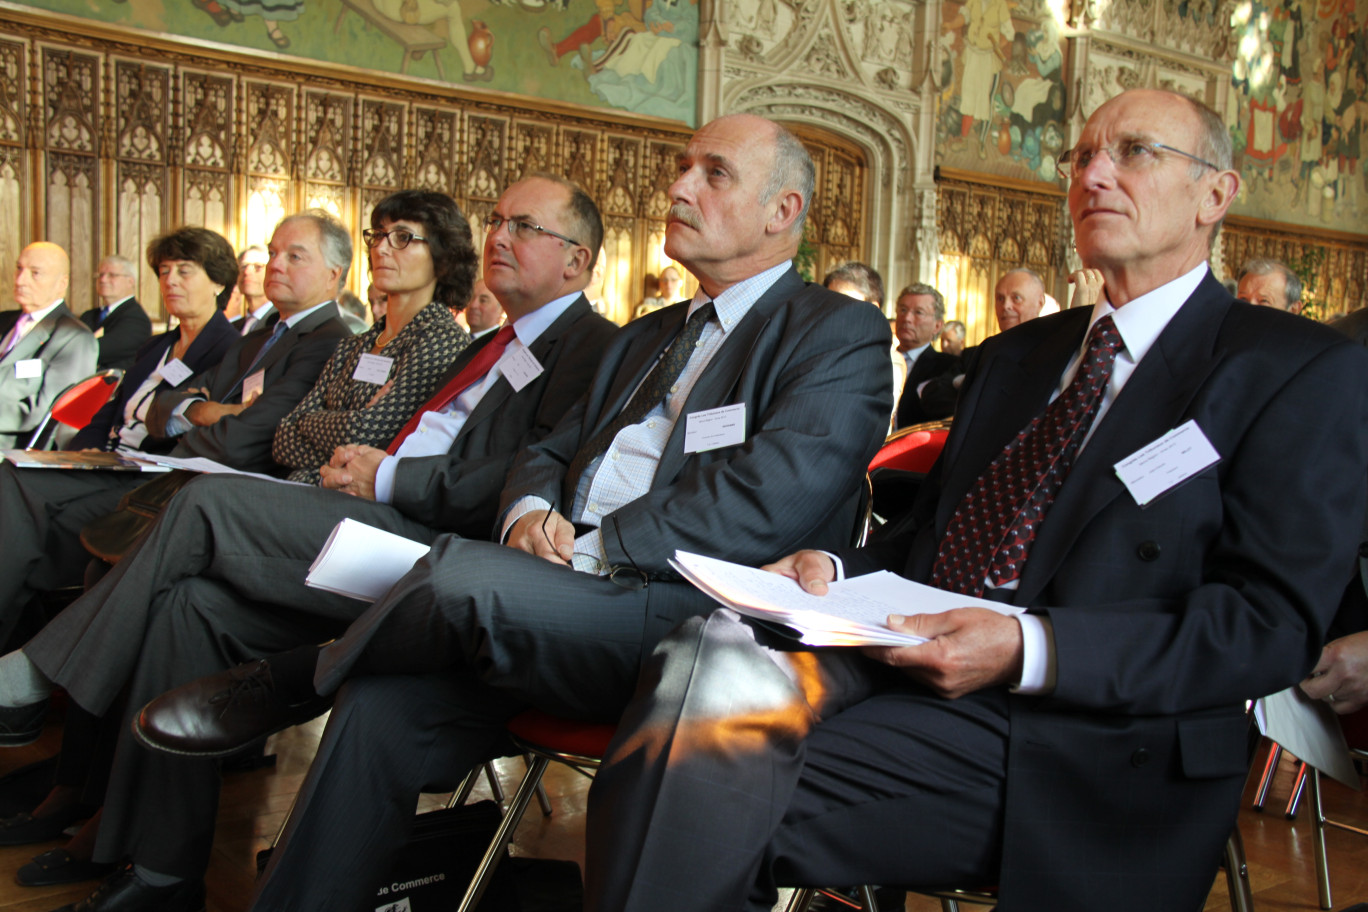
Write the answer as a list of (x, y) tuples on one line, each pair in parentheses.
[(741, 766)]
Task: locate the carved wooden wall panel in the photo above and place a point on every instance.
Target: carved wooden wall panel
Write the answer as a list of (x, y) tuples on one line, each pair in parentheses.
[(986, 230), (71, 90), (13, 161)]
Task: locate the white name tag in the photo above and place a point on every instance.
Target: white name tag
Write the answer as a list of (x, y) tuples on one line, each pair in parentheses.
[(373, 369), (29, 369), (1166, 463), (252, 386), (174, 372), (714, 428), (520, 367)]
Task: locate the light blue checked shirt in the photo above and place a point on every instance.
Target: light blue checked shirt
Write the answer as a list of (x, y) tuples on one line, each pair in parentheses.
[(625, 471)]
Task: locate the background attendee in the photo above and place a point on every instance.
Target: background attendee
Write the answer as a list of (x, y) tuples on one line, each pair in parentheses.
[(376, 298), (352, 310), (1269, 283), (952, 338), (920, 319), (863, 283), (1017, 297), (418, 338), (119, 323), (483, 313), (43, 348), (669, 286), (1095, 747), (253, 306)]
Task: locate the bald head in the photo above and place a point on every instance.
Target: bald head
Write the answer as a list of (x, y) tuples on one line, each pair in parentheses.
[(41, 276), (1018, 297)]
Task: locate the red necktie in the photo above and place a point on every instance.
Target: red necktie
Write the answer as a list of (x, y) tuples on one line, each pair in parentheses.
[(479, 365), (991, 533)]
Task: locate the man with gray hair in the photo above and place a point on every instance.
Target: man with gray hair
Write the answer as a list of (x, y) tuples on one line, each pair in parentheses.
[(1269, 283), (120, 324), (920, 318), (728, 424), (952, 338)]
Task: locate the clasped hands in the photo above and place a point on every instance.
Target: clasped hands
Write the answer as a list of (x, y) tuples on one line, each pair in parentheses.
[(966, 649), (352, 470)]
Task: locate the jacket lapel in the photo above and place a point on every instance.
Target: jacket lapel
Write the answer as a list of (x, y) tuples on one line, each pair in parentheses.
[(1153, 402), (31, 344)]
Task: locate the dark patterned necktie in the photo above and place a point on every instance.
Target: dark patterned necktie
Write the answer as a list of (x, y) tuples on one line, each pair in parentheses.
[(472, 373), (990, 535), (651, 393)]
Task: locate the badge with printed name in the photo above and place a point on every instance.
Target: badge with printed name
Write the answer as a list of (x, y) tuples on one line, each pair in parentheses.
[(252, 386), (520, 367), (28, 369), (715, 428), (1161, 466), (373, 369), (174, 372)]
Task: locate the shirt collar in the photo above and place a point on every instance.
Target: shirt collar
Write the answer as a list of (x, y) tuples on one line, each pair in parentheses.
[(292, 322), (531, 325), (1142, 319), (109, 308), (39, 315), (912, 354), (260, 312), (734, 303)]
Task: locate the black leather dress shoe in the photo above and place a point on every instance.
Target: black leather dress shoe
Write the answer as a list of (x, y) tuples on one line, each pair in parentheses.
[(124, 892), (221, 713), (24, 829), (20, 725), (58, 866)]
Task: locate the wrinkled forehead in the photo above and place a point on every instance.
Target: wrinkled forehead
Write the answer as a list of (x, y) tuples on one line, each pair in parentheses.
[(1142, 114), (539, 201)]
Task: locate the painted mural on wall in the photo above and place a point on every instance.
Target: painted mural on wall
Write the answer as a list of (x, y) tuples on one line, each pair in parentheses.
[(1002, 95), (1300, 106), (635, 55)]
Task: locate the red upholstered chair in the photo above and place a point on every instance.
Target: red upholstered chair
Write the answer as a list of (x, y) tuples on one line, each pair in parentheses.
[(76, 405), (912, 449)]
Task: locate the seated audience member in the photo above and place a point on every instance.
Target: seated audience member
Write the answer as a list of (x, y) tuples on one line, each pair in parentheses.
[(1018, 297), (482, 311), (219, 577), (249, 307), (422, 257), (863, 283), (376, 299), (1087, 285), (557, 618), (42, 511), (352, 310), (670, 284), (1091, 752), (952, 338), (119, 323), (1269, 283), (43, 348), (920, 319)]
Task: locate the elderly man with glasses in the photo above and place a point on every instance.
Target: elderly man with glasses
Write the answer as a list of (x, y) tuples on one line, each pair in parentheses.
[(120, 324), (1091, 752)]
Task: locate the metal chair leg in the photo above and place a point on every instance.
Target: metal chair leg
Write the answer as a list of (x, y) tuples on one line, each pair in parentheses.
[(1318, 843), (485, 872), (1237, 874), (801, 899), (493, 778), (949, 905), (542, 797), (1270, 767), (1298, 786), (868, 902)]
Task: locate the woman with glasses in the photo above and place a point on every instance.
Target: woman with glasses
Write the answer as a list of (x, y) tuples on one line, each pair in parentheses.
[(423, 260)]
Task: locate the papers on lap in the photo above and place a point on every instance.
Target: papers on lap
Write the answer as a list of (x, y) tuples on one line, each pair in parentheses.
[(363, 562), (74, 459), (854, 612)]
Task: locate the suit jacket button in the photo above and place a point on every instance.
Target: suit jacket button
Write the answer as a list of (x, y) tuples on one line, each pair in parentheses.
[(1140, 757), (1148, 551)]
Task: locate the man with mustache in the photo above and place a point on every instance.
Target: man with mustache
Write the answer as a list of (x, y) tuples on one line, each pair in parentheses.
[(737, 424)]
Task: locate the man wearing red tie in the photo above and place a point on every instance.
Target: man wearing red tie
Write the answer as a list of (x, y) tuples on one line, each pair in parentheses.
[(220, 577)]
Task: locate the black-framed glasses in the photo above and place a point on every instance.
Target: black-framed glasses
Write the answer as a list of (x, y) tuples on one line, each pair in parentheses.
[(524, 230), (629, 578), (1126, 155), (399, 238)]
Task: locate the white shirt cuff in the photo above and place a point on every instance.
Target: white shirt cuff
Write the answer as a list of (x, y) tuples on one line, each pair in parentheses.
[(520, 509), (178, 424), (384, 479), (1038, 670), (840, 566)]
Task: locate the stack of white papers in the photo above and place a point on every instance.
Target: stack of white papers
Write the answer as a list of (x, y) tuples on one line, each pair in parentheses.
[(854, 612), (363, 562)]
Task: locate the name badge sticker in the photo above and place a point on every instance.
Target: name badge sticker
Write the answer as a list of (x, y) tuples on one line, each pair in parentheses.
[(28, 369), (174, 372), (252, 386), (1161, 466), (521, 367), (373, 369), (715, 428)]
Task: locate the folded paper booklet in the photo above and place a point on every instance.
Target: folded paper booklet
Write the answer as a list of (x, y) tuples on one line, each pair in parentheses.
[(75, 459), (854, 612), (363, 562), (208, 467)]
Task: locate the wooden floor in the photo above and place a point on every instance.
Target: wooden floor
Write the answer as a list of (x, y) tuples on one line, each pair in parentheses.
[(1279, 850)]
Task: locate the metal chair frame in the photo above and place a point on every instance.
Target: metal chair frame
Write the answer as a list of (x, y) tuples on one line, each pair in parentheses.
[(1318, 824)]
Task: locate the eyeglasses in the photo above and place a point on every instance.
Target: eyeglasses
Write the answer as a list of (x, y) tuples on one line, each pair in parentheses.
[(629, 578), (1126, 155), (524, 230), (399, 238)]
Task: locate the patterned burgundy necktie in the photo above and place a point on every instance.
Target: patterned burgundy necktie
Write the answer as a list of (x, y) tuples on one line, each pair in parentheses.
[(469, 375), (991, 532)]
